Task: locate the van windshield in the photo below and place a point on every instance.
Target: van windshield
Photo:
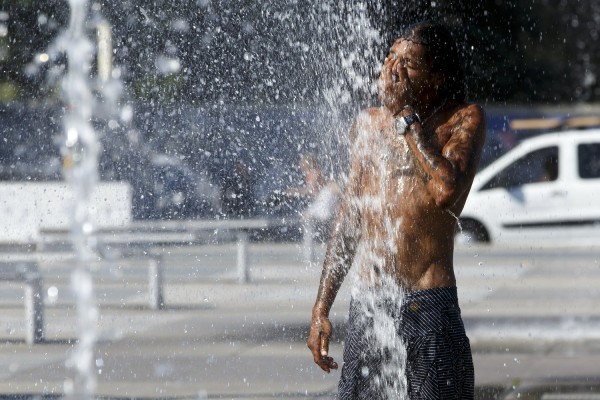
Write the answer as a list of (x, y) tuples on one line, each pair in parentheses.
[(537, 166)]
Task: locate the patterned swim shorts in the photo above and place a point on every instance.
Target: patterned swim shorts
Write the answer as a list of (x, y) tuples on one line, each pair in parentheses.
[(429, 344)]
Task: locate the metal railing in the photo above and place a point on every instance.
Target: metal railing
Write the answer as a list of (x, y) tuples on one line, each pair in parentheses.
[(173, 232), (136, 241)]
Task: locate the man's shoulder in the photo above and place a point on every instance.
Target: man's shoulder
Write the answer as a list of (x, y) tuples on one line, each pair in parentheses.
[(375, 113), (470, 114)]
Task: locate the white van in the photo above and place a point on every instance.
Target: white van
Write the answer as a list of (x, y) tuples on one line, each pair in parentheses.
[(544, 192)]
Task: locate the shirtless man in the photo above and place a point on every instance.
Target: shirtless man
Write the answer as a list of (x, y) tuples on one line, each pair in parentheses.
[(412, 165)]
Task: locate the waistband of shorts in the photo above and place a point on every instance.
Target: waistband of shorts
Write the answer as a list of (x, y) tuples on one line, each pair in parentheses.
[(421, 301), (445, 295)]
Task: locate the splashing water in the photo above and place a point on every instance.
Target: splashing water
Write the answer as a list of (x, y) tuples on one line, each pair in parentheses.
[(374, 287), (355, 67), (459, 225), (378, 308)]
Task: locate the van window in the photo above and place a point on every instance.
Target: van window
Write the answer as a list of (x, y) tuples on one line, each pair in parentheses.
[(589, 160), (536, 167)]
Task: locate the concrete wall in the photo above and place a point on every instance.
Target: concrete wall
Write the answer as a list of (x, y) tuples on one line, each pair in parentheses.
[(26, 208)]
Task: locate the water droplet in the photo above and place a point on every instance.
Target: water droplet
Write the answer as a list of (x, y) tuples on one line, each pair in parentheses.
[(87, 228), (52, 293), (167, 65)]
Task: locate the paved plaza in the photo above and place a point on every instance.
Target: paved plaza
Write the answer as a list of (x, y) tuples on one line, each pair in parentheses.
[(533, 316)]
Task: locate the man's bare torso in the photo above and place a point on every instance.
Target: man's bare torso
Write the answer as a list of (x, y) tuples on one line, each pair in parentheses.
[(403, 232)]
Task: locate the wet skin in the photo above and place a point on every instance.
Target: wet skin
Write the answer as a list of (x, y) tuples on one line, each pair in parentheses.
[(404, 188)]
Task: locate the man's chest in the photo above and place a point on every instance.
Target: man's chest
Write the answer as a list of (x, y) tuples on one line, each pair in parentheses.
[(389, 160)]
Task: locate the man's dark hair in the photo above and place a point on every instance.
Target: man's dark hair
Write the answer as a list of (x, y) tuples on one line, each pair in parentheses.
[(444, 55)]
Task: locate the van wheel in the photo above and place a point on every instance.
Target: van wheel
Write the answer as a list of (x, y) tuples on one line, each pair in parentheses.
[(470, 231)]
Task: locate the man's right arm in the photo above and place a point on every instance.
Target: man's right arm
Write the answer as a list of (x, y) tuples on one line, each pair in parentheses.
[(338, 259)]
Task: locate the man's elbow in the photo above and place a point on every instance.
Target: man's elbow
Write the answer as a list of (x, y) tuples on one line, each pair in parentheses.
[(443, 202), (445, 197)]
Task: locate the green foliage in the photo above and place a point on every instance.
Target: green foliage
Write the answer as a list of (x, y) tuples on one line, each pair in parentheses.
[(8, 92)]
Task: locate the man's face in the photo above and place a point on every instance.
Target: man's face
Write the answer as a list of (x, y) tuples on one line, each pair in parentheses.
[(412, 57)]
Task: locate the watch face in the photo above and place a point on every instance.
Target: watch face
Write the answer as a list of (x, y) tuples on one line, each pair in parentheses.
[(401, 125)]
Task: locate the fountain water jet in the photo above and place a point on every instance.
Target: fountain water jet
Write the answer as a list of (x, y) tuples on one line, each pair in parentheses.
[(80, 152)]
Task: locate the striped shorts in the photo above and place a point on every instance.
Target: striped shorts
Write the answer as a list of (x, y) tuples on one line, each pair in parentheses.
[(437, 359)]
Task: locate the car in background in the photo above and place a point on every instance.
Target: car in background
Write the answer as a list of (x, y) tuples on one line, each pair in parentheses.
[(543, 192)]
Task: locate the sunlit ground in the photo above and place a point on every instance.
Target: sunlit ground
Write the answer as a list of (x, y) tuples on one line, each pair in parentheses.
[(531, 315)]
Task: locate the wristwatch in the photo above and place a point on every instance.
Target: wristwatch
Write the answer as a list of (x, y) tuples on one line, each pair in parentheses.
[(403, 123)]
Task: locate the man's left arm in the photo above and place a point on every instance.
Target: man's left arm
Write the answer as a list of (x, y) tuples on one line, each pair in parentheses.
[(447, 169)]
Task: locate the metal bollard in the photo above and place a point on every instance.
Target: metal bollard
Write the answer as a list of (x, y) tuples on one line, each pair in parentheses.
[(155, 286), (34, 309), (242, 257)]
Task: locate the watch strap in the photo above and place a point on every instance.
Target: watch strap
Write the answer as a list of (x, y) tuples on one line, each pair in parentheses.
[(411, 119)]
